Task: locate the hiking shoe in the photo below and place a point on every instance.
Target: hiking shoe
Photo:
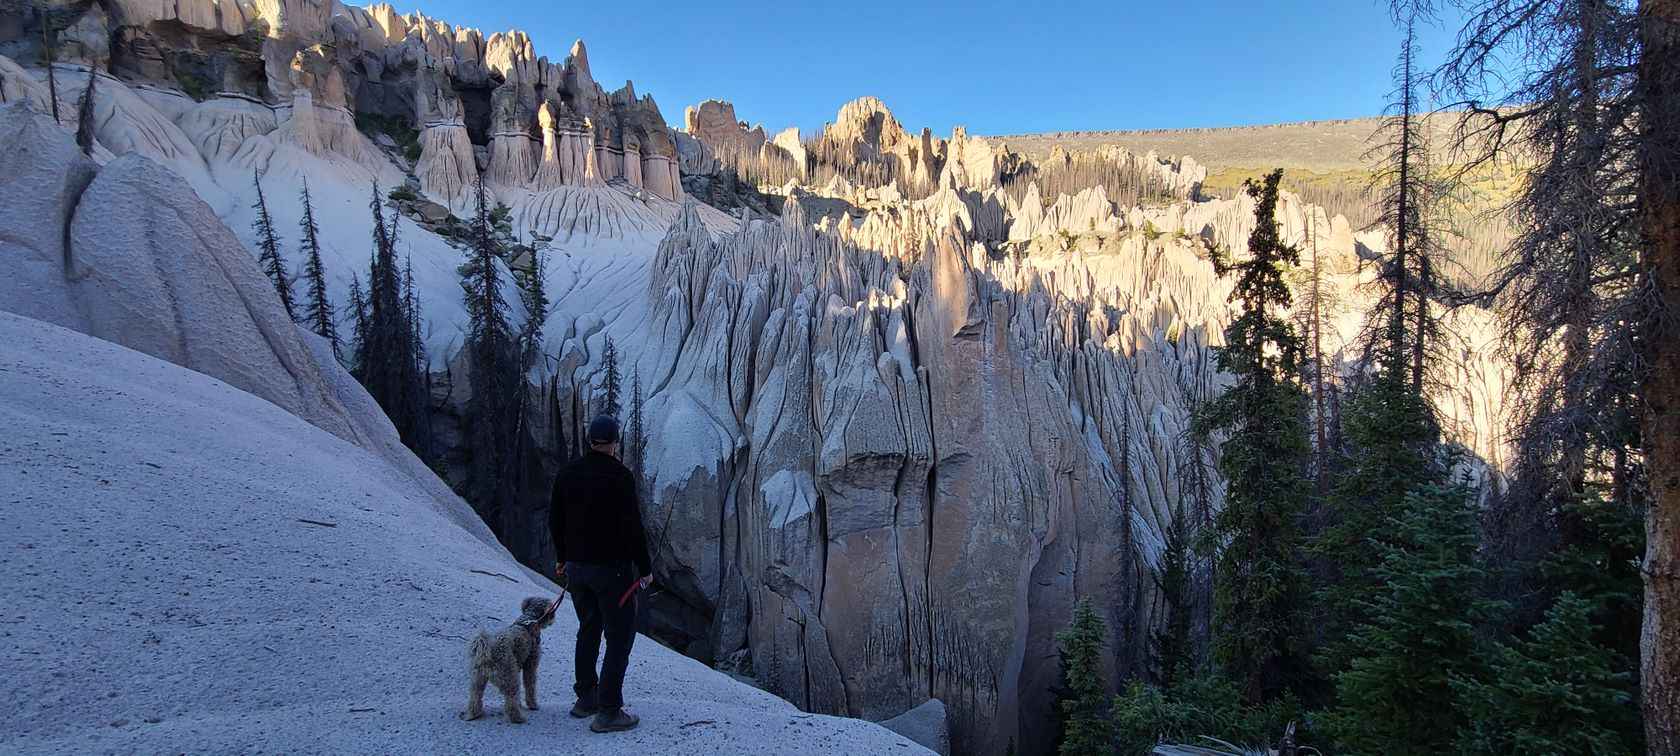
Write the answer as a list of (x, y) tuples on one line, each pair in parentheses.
[(615, 720), (583, 709)]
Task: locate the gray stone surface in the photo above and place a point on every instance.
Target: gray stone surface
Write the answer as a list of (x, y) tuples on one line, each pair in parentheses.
[(924, 724)]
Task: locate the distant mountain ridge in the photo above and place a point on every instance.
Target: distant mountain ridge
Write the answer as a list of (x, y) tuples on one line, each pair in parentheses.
[(1323, 146)]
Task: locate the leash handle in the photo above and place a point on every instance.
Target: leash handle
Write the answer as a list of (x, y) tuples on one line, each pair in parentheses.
[(631, 591)]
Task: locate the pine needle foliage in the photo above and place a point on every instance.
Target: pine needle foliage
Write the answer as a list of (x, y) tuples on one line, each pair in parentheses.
[(1418, 633), (268, 250), (319, 314), (493, 358), (1557, 691), (388, 362), (1088, 730), (1260, 589)]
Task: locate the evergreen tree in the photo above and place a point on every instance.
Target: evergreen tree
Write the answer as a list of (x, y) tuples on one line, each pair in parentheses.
[(420, 390), (1599, 561), (386, 362), (359, 322), (1084, 705), (1418, 632), (1389, 428), (637, 429), (1573, 303), (320, 314), (1259, 584), (492, 362), (1171, 643), (84, 116), (416, 323), (611, 386), (1556, 691), (268, 250), (1197, 706), (533, 294)]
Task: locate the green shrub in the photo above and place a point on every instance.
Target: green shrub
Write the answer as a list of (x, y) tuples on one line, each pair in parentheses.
[(194, 86), (406, 137), (1557, 691), (1200, 705)]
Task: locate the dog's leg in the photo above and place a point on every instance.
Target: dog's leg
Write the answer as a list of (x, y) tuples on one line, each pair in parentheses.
[(531, 683), (506, 679), (530, 676), (510, 694), (475, 695)]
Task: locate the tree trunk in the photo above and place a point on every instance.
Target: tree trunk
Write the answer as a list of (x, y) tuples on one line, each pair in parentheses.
[(1658, 90)]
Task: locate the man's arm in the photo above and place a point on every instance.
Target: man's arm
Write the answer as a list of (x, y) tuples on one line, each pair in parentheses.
[(632, 508), (557, 519)]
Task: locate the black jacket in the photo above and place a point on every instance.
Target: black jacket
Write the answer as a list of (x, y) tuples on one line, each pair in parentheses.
[(594, 515)]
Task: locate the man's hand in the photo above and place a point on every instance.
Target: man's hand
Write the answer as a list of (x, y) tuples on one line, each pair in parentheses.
[(646, 581), (560, 569)]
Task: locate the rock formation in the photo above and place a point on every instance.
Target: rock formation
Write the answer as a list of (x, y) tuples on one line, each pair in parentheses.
[(712, 139), (896, 432), (319, 64)]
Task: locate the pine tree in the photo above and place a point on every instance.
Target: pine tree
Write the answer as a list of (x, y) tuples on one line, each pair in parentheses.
[(1573, 303), (420, 379), (1598, 560), (320, 314), (1418, 632), (1084, 705), (416, 323), (84, 116), (1556, 691), (533, 294), (1259, 585), (359, 323), (1171, 643), (1389, 428), (637, 429), (386, 362), (268, 250), (492, 362), (611, 386)]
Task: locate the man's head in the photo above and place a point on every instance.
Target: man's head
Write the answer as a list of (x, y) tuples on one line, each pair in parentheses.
[(603, 434)]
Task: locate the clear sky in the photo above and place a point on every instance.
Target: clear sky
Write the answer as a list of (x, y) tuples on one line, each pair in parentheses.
[(996, 67)]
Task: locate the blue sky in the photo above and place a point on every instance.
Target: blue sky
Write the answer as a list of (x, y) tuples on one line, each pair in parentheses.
[(996, 67)]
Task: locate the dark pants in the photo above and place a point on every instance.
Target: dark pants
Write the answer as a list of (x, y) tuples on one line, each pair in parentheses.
[(595, 590)]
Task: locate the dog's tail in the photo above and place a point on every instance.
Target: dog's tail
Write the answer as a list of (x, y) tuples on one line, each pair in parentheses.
[(478, 654)]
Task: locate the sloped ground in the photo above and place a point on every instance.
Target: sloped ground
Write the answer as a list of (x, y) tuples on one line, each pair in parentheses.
[(163, 591)]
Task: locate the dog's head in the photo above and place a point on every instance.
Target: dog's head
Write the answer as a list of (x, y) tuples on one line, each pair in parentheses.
[(533, 611)]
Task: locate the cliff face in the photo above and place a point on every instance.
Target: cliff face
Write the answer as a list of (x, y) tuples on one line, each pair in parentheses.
[(895, 434), (928, 426), (481, 105)]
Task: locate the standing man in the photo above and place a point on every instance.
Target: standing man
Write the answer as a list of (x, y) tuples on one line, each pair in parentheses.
[(596, 522)]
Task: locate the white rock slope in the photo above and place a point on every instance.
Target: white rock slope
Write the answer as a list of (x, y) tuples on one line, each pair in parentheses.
[(163, 591)]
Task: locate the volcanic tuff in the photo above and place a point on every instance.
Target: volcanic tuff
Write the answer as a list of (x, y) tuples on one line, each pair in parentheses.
[(896, 432)]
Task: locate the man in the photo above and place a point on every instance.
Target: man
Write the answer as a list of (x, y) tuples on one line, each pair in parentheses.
[(596, 522)]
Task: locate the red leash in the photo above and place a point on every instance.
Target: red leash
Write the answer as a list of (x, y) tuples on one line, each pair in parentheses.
[(551, 607), (631, 591)]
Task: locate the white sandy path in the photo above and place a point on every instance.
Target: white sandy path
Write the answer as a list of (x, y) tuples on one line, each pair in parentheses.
[(158, 592)]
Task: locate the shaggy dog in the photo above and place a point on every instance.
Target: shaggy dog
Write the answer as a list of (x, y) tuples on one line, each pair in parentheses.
[(502, 658)]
